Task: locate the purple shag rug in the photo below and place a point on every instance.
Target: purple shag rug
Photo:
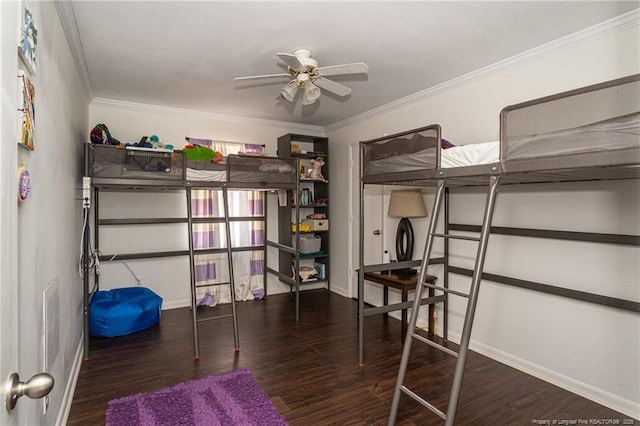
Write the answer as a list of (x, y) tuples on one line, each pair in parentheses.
[(233, 398)]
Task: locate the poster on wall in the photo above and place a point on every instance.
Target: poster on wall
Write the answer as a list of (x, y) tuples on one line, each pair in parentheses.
[(27, 110), (28, 40)]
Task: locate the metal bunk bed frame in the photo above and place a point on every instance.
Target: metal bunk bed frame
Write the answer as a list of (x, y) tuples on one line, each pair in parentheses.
[(606, 165), (159, 185)]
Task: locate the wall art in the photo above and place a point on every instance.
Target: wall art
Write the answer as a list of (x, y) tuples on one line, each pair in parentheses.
[(24, 182), (27, 48), (26, 106)]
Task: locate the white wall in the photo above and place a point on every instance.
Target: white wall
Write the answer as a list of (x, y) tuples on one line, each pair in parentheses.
[(169, 277), (588, 349), (49, 222)]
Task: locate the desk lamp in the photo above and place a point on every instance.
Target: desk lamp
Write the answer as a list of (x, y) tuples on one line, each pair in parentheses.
[(406, 203)]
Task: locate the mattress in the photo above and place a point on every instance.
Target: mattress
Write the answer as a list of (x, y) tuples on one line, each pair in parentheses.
[(470, 155), (206, 175)]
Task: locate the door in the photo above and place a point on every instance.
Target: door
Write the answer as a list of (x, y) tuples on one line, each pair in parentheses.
[(40, 384), (374, 238), (8, 204)]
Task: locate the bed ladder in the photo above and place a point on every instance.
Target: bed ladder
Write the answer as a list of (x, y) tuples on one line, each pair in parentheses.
[(194, 303), (471, 306)]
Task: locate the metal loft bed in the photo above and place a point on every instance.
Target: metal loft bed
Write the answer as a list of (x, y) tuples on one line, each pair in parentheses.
[(591, 133), (122, 170)]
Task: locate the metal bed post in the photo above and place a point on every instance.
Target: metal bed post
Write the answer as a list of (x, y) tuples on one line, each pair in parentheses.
[(232, 283), (265, 204), (361, 266), (445, 272), (96, 236), (85, 264), (297, 278), (85, 281), (192, 273)]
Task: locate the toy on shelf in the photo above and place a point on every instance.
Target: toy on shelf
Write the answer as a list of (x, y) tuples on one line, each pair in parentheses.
[(151, 142), (315, 172), (100, 134), (303, 170), (155, 142)]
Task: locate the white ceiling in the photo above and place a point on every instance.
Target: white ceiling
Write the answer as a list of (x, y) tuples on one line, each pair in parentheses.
[(185, 54)]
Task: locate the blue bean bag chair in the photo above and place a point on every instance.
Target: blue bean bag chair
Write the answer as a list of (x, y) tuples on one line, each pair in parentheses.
[(123, 311)]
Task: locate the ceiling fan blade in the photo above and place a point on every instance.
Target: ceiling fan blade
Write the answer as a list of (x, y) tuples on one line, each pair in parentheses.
[(332, 86), (356, 68), (291, 60), (255, 77)]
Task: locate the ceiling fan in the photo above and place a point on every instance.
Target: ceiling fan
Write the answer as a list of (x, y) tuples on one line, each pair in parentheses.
[(306, 75)]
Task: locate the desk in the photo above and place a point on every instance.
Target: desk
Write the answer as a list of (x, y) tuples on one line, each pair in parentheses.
[(404, 283)]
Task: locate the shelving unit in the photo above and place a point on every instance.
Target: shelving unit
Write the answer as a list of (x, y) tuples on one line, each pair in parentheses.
[(305, 217)]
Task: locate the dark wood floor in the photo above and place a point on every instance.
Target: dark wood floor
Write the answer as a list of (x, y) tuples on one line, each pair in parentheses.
[(310, 370)]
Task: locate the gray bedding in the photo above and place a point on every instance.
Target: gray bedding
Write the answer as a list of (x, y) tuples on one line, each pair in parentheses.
[(616, 133)]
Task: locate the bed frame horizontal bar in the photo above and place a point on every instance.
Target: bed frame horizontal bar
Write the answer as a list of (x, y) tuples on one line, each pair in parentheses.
[(631, 240), (613, 302), (158, 254), (142, 221)]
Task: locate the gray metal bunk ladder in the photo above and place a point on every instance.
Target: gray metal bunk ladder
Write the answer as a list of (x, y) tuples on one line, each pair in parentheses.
[(472, 297), (194, 286)]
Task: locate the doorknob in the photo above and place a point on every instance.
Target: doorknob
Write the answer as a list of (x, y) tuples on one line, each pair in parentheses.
[(376, 232), (36, 387)]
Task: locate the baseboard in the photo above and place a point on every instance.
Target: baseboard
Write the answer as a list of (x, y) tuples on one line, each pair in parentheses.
[(67, 398), (186, 303), (176, 304), (340, 291), (577, 387)]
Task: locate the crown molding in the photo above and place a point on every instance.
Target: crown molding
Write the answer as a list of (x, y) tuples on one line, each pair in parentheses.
[(587, 35), (70, 27), (134, 106)]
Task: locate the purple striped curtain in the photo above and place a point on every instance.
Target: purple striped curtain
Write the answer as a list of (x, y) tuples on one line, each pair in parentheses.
[(248, 266)]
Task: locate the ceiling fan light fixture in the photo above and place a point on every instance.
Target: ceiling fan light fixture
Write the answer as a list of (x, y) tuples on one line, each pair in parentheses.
[(290, 90), (311, 93), (308, 78)]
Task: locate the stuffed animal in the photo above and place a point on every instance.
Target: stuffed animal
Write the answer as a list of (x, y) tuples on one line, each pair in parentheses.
[(202, 153), (155, 142), (316, 169), (101, 135)]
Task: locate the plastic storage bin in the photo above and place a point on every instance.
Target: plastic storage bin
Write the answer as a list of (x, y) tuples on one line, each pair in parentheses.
[(309, 244), (317, 224)]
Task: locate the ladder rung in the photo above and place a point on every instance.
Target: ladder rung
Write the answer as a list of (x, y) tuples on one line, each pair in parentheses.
[(423, 402), (434, 344), (214, 318), (446, 290), (456, 237), (210, 285)]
